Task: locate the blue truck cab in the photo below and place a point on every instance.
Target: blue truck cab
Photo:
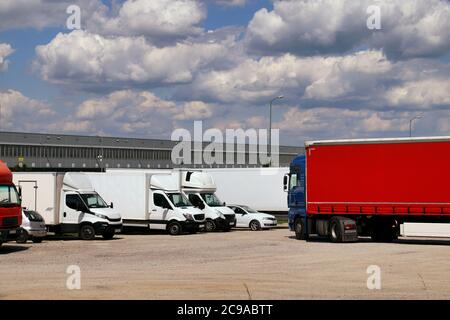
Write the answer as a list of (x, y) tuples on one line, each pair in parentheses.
[(295, 186)]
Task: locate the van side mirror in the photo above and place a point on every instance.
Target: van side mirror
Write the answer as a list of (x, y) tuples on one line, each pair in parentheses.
[(224, 204), (286, 183), (201, 205), (20, 191), (111, 205)]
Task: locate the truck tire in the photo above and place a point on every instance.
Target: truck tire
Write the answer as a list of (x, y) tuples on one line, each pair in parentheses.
[(87, 232), (335, 230), (300, 229), (255, 225), (22, 236), (174, 228), (210, 226), (108, 234)]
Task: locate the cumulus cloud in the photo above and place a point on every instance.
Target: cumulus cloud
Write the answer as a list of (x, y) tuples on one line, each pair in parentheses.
[(5, 50), (160, 20), (43, 13), (139, 112), (418, 28), (22, 113), (89, 60)]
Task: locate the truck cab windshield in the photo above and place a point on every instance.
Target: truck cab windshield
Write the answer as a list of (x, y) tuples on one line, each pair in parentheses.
[(9, 196), (93, 200), (211, 200), (179, 200)]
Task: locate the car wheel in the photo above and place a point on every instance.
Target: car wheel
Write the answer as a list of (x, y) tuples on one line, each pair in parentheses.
[(108, 234), (255, 225), (87, 232), (22, 236), (37, 240), (210, 226), (174, 228)]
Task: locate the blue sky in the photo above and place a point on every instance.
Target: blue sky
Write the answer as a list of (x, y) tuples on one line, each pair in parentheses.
[(143, 68)]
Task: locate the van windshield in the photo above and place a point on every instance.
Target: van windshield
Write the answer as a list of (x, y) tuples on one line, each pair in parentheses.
[(9, 197), (211, 200), (179, 200), (93, 200)]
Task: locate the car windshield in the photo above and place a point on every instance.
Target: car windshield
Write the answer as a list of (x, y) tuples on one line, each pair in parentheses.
[(9, 196), (93, 200), (179, 200), (249, 210), (33, 216), (211, 200)]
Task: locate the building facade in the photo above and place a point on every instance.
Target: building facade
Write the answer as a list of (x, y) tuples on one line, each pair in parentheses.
[(53, 152)]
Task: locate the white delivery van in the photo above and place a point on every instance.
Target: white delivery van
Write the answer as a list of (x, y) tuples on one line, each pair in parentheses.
[(68, 203), (149, 200), (200, 189)]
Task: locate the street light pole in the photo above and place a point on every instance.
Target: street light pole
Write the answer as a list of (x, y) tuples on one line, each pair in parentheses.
[(417, 117), (270, 121)]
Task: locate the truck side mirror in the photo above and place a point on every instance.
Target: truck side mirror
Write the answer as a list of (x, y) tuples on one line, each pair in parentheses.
[(285, 182), (111, 205)]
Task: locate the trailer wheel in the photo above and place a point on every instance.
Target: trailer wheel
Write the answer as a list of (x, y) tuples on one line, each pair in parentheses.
[(255, 225), (22, 236), (300, 229), (210, 226), (174, 228), (335, 231), (87, 232)]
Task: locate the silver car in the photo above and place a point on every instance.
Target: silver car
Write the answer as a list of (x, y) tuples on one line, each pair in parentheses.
[(32, 228)]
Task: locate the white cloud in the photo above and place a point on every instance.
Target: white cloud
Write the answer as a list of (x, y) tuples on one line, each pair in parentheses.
[(88, 61), (22, 113), (5, 50), (417, 28), (231, 3), (138, 112), (159, 20)]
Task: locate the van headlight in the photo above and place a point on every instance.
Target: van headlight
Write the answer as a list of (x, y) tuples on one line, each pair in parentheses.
[(188, 216), (101, 216)]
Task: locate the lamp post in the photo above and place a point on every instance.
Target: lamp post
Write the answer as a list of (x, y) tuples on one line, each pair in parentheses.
[(270, 121), (417, 117)]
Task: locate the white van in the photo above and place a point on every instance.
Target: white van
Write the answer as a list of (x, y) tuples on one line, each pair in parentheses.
[(149, 200), (200, 189), (68, 203)]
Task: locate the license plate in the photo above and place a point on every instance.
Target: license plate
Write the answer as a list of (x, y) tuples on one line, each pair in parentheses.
[(118, 230), (231, 223), (201, 225)]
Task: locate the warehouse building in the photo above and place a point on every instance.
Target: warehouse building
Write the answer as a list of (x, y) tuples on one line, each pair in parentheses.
[(54, 152)]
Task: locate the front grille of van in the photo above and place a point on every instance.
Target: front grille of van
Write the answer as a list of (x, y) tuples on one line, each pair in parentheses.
[(199, 216)]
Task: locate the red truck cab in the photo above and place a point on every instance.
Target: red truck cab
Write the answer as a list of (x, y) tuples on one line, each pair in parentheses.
[(10, 203)]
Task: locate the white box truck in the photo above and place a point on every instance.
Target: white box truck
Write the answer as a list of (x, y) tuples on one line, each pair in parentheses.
[(68, 204), (151, 200), (200, 189)]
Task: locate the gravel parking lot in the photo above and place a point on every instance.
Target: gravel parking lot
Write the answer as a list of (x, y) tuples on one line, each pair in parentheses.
[(235, 265)]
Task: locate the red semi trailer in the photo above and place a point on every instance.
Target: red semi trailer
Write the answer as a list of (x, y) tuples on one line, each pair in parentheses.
[(10, 204), (345, 188)]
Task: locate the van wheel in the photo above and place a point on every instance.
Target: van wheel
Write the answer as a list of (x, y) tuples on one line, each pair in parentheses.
[(300, 229), (87, 232), (210, 226), (255, 225), (22, 236), (335, 231), (108, 234), (37, 240), (174, 228)]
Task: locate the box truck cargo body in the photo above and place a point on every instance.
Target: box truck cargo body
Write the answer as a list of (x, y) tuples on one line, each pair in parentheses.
[(68, 203), (346, 188), (150, 200), (10, 203)]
